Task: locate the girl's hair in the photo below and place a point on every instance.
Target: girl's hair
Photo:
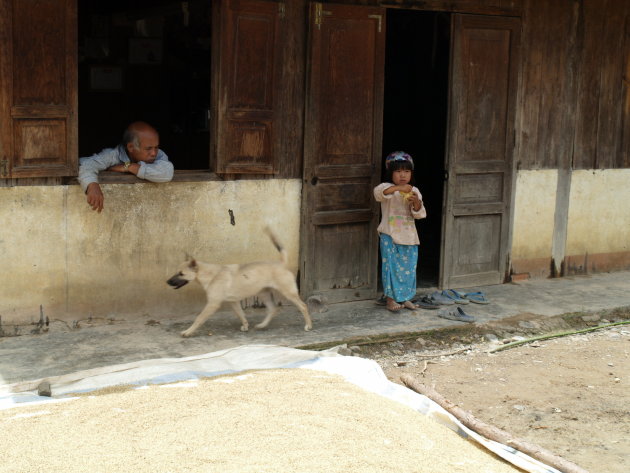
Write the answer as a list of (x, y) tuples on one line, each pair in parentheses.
[(397, 166)]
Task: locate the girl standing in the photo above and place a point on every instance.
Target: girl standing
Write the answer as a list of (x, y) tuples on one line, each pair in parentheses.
[(401, 205)]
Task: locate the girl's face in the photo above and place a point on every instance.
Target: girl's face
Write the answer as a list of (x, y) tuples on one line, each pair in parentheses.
[(401, 176)]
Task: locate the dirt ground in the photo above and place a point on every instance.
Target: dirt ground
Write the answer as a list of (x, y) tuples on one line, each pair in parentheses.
[(569, 394)]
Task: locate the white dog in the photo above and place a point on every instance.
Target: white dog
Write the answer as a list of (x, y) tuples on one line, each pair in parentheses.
[(235, 282)]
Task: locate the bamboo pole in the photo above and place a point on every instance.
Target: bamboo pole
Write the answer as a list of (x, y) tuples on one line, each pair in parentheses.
[(491, 432), (556, 335)]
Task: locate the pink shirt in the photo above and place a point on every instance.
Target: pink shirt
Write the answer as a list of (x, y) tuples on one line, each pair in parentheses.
[(397, 216)]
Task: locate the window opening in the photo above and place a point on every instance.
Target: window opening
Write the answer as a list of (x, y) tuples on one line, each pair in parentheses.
[(146, 60)]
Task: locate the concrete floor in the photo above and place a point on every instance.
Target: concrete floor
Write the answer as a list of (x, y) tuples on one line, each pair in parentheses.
[(97, 343)]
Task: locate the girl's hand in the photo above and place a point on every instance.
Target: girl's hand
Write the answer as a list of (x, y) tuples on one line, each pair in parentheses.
[(415, 202), (404, 188)]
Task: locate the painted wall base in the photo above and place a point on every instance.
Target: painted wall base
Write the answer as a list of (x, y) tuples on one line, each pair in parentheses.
[(55, 251)]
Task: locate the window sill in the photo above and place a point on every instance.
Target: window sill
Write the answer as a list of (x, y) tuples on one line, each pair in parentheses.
[(110, 177)]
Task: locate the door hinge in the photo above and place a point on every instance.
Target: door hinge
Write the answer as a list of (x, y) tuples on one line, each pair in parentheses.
[(319, 13), (379, 18), (281, 10), (4, 168)]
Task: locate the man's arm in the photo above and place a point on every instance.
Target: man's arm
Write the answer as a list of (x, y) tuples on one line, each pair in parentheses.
[(88, 176), (160, 170), (90, 167), (95, 196)]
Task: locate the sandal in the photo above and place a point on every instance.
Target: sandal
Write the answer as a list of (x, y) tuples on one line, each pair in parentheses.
[(456, 313), (427, 303), (438, 298), (455, 296), (477, 297)]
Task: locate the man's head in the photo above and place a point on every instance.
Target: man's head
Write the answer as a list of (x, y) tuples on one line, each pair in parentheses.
[(142, 142)]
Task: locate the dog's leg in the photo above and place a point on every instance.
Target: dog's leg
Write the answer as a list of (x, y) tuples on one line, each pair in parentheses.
[(208, 310), (303, 308), (238, 310), (294, 297), (267, 299)]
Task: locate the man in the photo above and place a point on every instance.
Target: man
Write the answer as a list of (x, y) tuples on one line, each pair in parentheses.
[(139, 154)]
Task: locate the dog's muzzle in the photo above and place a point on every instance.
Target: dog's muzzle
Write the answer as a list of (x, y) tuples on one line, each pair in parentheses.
[(177, 282)]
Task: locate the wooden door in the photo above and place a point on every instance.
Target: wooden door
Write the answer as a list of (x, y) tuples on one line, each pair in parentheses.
[(484, 72), (38, 88), (342, 151), (249, 63)]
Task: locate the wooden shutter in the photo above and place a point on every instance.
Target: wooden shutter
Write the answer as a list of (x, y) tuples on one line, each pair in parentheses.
[(248, 62), (38, 88)]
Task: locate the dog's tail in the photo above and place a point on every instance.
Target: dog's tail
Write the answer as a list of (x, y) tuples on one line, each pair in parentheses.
[(277, 244)]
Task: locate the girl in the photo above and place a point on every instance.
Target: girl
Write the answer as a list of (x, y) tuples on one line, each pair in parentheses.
[(401, 204)]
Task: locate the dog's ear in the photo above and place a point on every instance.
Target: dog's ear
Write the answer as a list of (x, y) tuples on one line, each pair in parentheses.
[(193, 264)]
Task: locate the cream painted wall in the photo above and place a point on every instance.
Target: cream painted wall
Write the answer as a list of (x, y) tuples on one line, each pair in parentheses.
[(534, 210), (57, 252), (599, 212)]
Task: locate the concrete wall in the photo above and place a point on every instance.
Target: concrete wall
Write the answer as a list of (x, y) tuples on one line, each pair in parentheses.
[(533, 223), (56, 252), (597, 230), (599, 222)]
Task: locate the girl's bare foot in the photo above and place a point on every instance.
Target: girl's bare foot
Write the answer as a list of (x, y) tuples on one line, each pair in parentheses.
[(392, 305), (410, 305)]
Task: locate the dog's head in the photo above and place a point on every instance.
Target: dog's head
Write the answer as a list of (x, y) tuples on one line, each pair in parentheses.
[(187, 272)]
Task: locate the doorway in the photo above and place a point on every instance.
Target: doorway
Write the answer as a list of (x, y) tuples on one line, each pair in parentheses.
[(415, 116)]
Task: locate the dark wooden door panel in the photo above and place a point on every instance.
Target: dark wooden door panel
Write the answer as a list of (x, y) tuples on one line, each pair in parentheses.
[(480, 146), (38, 89), (249, 70), (342, 146)]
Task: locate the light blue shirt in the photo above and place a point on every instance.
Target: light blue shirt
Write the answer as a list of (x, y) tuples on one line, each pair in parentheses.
[(160, 170)]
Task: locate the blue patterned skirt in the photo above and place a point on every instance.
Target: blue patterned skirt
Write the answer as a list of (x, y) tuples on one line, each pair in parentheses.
[(398, 269)]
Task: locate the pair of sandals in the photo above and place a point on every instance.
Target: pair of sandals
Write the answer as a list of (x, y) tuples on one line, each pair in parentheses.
[(464, 298)]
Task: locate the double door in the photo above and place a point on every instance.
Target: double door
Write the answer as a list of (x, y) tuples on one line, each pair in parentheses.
[(343, 155)]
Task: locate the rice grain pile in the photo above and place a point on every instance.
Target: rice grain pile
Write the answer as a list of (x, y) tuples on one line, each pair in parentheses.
[(287, 420)]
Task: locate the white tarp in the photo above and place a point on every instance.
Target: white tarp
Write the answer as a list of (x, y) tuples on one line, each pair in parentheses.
[(362, 372)]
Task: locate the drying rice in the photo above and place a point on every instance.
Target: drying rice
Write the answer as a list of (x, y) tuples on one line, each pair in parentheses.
[(287, 420)]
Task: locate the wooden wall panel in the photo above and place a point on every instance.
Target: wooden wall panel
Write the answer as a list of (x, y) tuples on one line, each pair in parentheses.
[(625, 125), (574, 107), (603, 113), (290, 100), (546, 121)]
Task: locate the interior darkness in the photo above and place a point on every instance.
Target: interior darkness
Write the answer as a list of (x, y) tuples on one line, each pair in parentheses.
[(415, 116), (146, 60)]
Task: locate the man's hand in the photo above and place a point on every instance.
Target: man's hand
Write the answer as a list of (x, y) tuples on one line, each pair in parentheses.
[(95, 196)]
